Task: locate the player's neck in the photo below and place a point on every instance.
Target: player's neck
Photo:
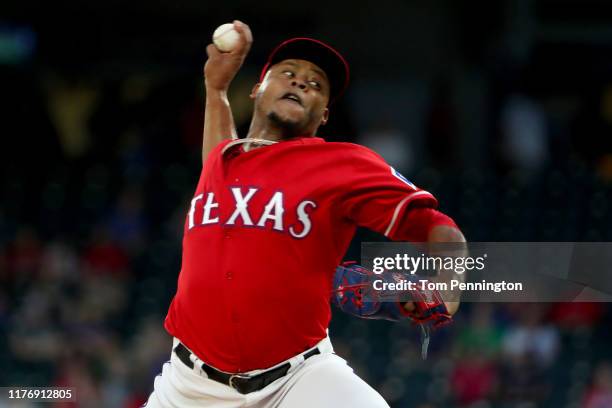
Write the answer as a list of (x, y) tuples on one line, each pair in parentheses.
[(274, 135), (266, 130)]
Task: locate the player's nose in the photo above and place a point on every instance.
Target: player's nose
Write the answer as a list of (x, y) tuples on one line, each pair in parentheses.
[(300, 84)]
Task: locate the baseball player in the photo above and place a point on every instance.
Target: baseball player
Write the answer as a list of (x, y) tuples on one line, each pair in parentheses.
[(270, 220)]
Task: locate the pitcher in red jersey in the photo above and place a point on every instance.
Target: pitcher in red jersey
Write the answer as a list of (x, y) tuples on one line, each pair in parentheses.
[(270, 220)]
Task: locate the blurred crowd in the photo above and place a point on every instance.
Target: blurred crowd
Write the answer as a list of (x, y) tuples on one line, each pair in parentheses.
[(495, 355), (101, 153), (90, 317), (90, 251)]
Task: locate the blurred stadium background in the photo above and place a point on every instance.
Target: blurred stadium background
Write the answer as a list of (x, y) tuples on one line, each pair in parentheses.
[(502, 109)]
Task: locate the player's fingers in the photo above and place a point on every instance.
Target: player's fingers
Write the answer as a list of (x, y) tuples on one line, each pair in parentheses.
[(212, 50), (245, 33), (409, 306), (244, 29)]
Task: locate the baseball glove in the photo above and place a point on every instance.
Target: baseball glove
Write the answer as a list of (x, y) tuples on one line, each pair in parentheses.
[(354, 293)]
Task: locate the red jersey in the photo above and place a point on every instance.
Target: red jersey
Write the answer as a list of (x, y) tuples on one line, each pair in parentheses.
[(263, 236)]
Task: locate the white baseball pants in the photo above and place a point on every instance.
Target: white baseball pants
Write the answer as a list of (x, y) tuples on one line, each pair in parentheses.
[(323, 381)]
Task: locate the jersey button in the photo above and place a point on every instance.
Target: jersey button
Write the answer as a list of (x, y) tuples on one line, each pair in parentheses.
[(229, 275)]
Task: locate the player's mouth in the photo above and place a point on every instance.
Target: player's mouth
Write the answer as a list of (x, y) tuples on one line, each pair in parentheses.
[(293, 98)]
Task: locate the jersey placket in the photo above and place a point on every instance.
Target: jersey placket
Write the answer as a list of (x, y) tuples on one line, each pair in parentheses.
[(231, 163)]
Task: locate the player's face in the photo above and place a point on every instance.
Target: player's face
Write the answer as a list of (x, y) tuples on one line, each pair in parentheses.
[(294, 96)]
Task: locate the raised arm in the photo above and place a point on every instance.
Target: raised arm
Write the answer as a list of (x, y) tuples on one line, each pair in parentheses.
[(219, 71)]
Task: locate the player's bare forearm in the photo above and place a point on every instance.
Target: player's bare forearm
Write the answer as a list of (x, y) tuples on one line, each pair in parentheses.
[(443, 238), (219, 71), (218, 120), (443, 234)]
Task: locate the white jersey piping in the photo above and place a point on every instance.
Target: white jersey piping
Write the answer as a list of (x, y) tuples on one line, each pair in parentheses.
[(248, 142), (399, 206)]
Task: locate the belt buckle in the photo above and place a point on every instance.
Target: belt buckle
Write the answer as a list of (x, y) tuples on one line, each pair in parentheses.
[(239, 377)]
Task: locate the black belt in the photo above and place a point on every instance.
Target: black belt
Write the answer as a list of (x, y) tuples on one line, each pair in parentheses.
[(244, 384)]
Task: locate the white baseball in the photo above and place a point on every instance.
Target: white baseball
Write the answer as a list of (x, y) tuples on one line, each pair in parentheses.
[(226, 37)]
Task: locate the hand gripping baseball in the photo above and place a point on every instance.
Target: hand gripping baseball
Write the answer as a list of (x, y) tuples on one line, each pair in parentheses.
[(222, 67)]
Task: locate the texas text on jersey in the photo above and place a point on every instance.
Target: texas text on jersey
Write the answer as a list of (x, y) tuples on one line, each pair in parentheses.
[(253, 239)]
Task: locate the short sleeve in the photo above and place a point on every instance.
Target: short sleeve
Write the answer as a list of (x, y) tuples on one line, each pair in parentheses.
[(376, 195), (213, 159)]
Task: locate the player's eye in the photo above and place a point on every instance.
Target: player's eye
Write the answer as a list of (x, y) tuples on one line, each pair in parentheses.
[(315, 84), (288, 74)]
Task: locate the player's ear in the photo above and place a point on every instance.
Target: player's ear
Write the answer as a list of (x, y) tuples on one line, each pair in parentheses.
[(325, 117), (254, 90)]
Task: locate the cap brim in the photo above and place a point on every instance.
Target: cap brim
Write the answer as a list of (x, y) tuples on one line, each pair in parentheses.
[(324, 56)]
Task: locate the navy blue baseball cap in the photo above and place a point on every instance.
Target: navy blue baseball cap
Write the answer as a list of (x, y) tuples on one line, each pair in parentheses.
[(324, 56)]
